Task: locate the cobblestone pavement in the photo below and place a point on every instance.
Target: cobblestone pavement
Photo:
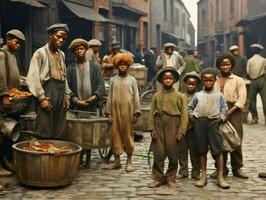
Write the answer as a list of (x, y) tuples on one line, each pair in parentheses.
[(96, 183)]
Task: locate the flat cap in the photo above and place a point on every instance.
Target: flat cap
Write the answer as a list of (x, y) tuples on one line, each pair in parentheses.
[(16, 33), (258, 46), (57, 27), (115, 45), (192, 74), (234, 47), (77, 42), (94, 42), (169, 44), (167, 69)]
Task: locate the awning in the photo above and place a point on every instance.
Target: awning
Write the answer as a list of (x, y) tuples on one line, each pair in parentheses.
[(123, 8), (84, 12), (33, 3), (245, 22)]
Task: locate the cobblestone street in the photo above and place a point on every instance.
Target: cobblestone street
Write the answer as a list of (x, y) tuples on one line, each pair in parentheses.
[(96, 183)]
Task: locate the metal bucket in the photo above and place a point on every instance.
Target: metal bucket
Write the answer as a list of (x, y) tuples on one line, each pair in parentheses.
[(10, 129)]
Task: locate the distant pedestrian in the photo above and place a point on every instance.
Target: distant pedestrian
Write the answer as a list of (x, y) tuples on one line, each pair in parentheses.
[(188, 143), (207, 109), (93, 51), (256, 69), (167, 123), (150, 60), (47, 81), (234, 91), (123, 107), (84, 79)]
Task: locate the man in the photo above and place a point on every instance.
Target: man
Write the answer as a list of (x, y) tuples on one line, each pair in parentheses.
[(84, 79), (107, 65), (171, 58), (93, 51), (47, 81), (150, 60), (256, 69), (9, 78)]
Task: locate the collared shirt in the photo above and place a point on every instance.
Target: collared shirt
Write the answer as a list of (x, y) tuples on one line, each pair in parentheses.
[(208, 104), (234, 90), (9, 73), (39, 72), (256, 66), (172, 103)]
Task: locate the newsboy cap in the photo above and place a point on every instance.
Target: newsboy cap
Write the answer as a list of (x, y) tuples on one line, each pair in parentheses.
[(169, 44), (258, 46), (192, 74), (94, 42), (77, 42), (234, 47), (16, 33), (57, 27), (167, 69), (115, 45)]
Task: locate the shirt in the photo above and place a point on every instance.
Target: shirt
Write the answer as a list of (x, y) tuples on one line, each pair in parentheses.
[(234, 90), (172, 103), (84, 82), (39, 72), (208, 104), (256, 66)]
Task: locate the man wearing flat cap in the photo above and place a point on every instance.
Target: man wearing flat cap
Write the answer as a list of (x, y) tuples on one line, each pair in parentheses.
[(9, 78), (256, 69), (84, 79), (93, 51), (47, 81), (171, 58)]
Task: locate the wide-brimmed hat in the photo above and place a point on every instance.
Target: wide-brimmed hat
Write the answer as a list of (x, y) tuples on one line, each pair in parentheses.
[(167, 69), (16, 33), (77, 42), (57, 27), (192, 74)]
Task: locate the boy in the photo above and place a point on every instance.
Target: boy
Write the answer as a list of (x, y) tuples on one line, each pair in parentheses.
[(191, 81), (168, 120), (124, 108), (207, 109)]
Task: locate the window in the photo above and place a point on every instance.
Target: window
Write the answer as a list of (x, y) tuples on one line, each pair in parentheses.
[(172, 10), (203, 17), (158, 35), (177, 17), (218, 7), (165, 9), (232, 7), (146, 34)]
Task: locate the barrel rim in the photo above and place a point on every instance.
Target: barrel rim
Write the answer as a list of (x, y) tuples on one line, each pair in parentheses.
[(78, 150)]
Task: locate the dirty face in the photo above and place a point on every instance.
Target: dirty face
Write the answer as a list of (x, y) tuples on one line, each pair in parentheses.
[(169, 50), (226, 67), (168, 80), (14, 44), (122, 68), (191, 85), (57, 39), (208, 81), (80, 52)]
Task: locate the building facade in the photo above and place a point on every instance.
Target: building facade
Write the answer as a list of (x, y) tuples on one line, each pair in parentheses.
[(170, 22)]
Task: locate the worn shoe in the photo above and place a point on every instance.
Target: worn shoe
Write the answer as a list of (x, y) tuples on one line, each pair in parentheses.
[(155, 184), (201, 182), (223, 184), (181, 176), (240, 174), (262, 175)]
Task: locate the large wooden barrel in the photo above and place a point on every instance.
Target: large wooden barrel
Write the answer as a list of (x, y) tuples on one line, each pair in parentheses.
[(43, 169)]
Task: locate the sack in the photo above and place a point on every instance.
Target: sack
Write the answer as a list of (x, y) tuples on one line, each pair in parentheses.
[(231, 139)]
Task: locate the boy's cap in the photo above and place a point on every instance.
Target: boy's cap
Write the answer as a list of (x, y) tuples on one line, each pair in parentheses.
[(234, 47), (169, 44), (192, 74), (16, 33), (115, 45), (258, 46), (57, 27), (167, 69), (94, 42), (77, 42)]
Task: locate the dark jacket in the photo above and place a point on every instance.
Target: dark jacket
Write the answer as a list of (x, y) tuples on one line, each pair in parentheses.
[(150, 60), (97, 83)]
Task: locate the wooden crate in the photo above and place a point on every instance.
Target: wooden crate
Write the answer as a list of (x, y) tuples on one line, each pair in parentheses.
[(140, 74)]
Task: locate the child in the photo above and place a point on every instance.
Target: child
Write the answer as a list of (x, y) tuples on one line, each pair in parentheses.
[(207, 109), (124, 108), (191, 81), (168, 120)]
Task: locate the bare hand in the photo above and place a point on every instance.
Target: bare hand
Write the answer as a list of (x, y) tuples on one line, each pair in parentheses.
[(179, 137), (66, 105), (45, 104), (6, 102), (108, 115), (81, 103), (92, 99), (153, 135)]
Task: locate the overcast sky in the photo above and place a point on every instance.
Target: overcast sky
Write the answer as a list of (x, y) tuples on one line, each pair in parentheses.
[(192, 8)]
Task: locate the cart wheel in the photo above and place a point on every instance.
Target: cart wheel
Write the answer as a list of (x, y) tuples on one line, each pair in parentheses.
[(105, 153)]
